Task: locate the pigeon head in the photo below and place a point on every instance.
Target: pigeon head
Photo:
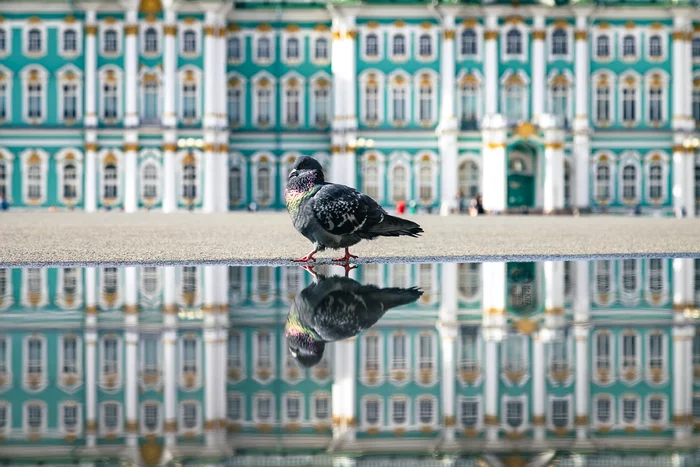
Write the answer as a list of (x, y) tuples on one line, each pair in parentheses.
[(305, 350), (307, 169)]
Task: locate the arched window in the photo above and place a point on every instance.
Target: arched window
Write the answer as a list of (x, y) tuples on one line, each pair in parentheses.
[(111, 182), (656, 99), (655, 50), (263, 48), (292, 48), (372, 102), (264, 106), (469, 178), (468, 42), (150, 42), (34, 180), (656, 182), (560, 98), (109, 100), (235, 192), (70, 182), (560, 42), (110, 41), (321, 103), (293, 98), (425, 101), (425, 48), (370, 180), (514, 99), (399, 45), (629, 46), (602, 182), (629, 101), (264, 186), (189, 100), (234, 102), (35, 95), (150, 113), (372, 45), (233, 48), (567, 184), (321, 49), (469, 277), (629, 182), (3, 40), (603, 46), (398, 102), (696, 47), (469, 103), (514, 42), (34, 37), (602, 102), (425, 182), (149, 181), (189, 180), (398, 187), (70, 42), (189, 41)]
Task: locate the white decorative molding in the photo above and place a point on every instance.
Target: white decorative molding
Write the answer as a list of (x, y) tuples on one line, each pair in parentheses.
[(34, 86), (111, 35), (34, 33), (64, 158)]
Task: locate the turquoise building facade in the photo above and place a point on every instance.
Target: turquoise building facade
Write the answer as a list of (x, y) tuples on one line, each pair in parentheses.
[(503, 363), (175, 105)]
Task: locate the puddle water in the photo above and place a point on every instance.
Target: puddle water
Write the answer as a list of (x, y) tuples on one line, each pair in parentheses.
[(580, 363)]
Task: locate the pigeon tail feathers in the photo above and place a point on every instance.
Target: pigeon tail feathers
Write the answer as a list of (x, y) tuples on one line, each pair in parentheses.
[(392, 297), (392, 226)]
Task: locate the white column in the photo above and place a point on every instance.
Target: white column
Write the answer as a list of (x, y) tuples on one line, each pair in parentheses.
[(448, 122), (131, 364), (211, 359), (90, 171), (90, 356), (491, 397), (491, 65), (169, 67), (90, 68), (350, 74), (689, 181), (554, 287), (553, 165), (678, 178), (581, 138), (538, 67), (169, 191), (169, 356), (222, 159), (581, 334), (222, 173), (448, 328), (539, 392), (210, 68), (494, 163), (131, 69), (343, 389), (223, 326), (682, 368), (131, 148), (339, 70), (210, 176), (680, 93), (493, 326)]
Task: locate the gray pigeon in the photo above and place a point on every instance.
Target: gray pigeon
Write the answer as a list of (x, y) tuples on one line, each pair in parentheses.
[(336, 308), (336, 216)]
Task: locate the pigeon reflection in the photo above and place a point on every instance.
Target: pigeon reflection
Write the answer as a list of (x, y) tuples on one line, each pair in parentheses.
[(336, 308)]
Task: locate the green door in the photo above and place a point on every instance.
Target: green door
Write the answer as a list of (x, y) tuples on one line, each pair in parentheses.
[(521, 177)]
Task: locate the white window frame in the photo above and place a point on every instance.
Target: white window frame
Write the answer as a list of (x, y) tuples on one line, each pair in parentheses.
[(179, 177), (635, 33), (603, 31), (470, 158), (78, 360), (28, 27), (378, 160), (430, 159), (236, 159), (44, 166), (7, 338), (43, 380), (630, 158), (407, 403), (524, 42), (148, 158), (6, 80), (184, 27), (319, 81), (44, 418), (609, 159), (237, 81), (102, 157), (8, 418), (146, 76), (630, 297), (63, 27), (663, 357), (380, 33), (144, 27), (609, 79), (661, 158), (569, 415), (301, 40), (77, 79), (8, 40), (239, 369), (524, 360), (102, 379), (654, 424), (320, 33), (42, 78), (316, 396), (656, 30), (555, 78), (398, 374), (570, 44), (476, 364), (264, 374), (433, 79), (478, 426), (636, 361), (663, 293), (366, 425), (264, 80), (118, 77), (478, 30), (638, 411), (432, 424), (142, 359), (612, 357), (364, 375), (430, 30), (471, 78), (649, 78), (258, 161), (184, 74), (285, 408), (79, 418), (523, 399), (525, 97), (198, 361), (393, 32), (241, 398), (106, 25), (270, 36), (241, 48), (399, 158), (637, 87), (596, 420), (399, 80), (256, 416), (300, 86), (104, 432), (159, 420), (365, 77), (61, 162)]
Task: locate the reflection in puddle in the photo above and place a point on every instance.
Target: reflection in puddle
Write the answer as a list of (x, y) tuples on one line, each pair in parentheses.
[(582, 363)]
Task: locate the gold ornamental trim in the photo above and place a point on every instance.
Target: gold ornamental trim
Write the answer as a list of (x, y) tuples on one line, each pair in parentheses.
[(680, 419), (221, 32), (91, 30), (493, 145), (490, 419), (539, 420), (554, 311), (496, 311), (132, 426), (678, 148), (555, 146), (209, 30), (450, 34), (679, 35), (170, 30), (131, 29), (449, 420), (581, 35), (91, 310), (169, 309), (581, 420), (91, 426), (91, 146), (131, 309), (490, 35), (352, 34), (539, 35), (211, 424), (131, 147), (170, 147), (209, 147)]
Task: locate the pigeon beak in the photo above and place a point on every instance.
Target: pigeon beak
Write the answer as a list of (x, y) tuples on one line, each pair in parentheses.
[(293, 173)]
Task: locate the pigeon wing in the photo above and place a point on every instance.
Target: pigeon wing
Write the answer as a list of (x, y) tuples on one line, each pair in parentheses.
[(342, 210)]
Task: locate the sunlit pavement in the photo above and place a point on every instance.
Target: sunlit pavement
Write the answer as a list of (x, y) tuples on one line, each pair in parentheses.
[(78, 238)]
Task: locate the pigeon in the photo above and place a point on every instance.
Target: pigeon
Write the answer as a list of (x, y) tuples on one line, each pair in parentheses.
[(336, 216), (336, 308)]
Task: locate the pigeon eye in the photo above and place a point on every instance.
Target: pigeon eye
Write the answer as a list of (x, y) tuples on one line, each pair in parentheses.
[(293, 173)]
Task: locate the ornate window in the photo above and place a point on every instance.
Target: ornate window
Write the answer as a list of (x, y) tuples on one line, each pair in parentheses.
[(515, 413), (560, 43), (189, 42), (3, 42), (469, 412), (656, 187), (235, 101), (5, 95), (321, 407), (110, 42), (372, 409), (469, 102), (603, 356), (655, 47), (630, 355), (656, 410), (69, 166), (468, 43), (560, 409), (69, 100), (189, 179), (190, 417), (372, 177), (656, 85), (426, 410), (630, 410), (150, 355), (233, 49), (263, 353), (321, 49), (399, 100), (602, 47), (263, 52), (425, 46), (35, 41), (514, 42), (372, 46), (469, 281), (35, 418), (70, 41), (603, 100), (234, 407), (235, 354), (293, 408), (656, 354), (398, 47), (371, 99), (262, 190), (603, 407), (602, 188), (469, 358), (150, 417), (189, 361), (469, 178), (426, 100), (426, 353), (111, 418), (150, 40), (189, 88), (630, 280), (263, 408), (110, 362), (110, 179), (321, 102), (559, 100), (35, 358), (630, 95), (34, 81), (292, 52), (629, 47), (425, 182), (293, 104), (34, 171), (399, 183), (655, 278), (399, 355), (150, 182), (603, 278), (263, 107), (5, 360), (629, 182), (150, 108), (696, 47), (235, 185), (399, 411), (110, 94), (514, 99)]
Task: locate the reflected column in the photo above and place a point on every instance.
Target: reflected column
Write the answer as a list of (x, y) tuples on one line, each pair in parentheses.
[(169, 345), (343, 389), (211, 419), (448, 328), (223, 325), (538, 387), (494, 328), (131, 367), (91, 356), (582, 334), (682, 347)]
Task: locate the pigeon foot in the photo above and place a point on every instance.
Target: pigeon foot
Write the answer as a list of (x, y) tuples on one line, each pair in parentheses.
[(306, 259), (345, 258), (348, 268)]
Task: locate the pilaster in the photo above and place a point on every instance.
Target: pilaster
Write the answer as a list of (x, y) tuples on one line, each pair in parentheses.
[(447, 140), (169, 356), (494, 328), (538, 67), (680, 90), (211, 357), (494, 163), (554, 165), (169, 67), (131, 71), (90, 75), (539, 391), (211, 153), (90, 356), (448, 328), (169, 203), (131, 148), (210, 70), (581, 133), (90, 171), (680, 186), (582, 338), (222, 196), (131, 364), (344, 390), (491, 66)]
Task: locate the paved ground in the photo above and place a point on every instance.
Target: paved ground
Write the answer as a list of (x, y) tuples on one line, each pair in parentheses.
[(269, 238)]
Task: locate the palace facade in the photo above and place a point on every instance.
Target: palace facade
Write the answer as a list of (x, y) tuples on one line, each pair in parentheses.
[(205, 104), (190, 365)]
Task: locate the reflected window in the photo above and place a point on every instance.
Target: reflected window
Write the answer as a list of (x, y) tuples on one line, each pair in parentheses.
[(372, 412), (656, 409), (322, 407), (399, 415), (425, 411), (110, 416), (150, 368), (371, 353), (629, 410), (629, 351), (602, 345), (70, 355), (469, 412), (35, 349), (264, 408), (234, 407), (656, 350), (603, 410), (514, 413), (234, 350), (656, 275), (469, 280), (189, 354), (190, 415), (110, 356), (35, 417), (425, 343), (264, 351), (70, 418), (399, 343), (293, 408), (469, 348), (560, 413), (151, 416)]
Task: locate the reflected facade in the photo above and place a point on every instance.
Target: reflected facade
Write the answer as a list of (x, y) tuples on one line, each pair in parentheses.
[(495, 362)]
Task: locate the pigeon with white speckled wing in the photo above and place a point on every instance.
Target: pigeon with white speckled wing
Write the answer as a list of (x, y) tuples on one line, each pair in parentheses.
[(336, 216)]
